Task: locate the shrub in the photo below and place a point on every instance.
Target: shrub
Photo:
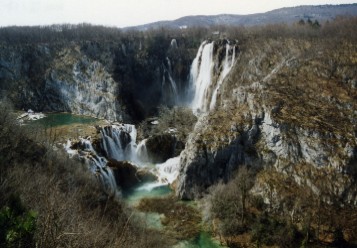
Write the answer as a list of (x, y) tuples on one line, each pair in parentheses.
[(268, 231), (17, 226), (229, 202)]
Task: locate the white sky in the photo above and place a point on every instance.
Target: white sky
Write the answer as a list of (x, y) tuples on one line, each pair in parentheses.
[(123, 13)]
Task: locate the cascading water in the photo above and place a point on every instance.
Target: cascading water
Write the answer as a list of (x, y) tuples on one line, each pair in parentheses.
[(208, 73), (118, 141), (168, 171), (227, 66), (97, 164), (141, 152), (137, 154)]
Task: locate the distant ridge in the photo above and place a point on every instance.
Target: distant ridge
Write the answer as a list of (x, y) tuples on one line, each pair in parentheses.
[(283, 15)]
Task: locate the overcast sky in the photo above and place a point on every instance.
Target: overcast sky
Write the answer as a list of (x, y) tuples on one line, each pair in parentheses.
[(131, 12)]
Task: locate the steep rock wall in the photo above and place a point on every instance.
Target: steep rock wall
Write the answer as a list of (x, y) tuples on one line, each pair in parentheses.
[(288, 107), (119, 80)]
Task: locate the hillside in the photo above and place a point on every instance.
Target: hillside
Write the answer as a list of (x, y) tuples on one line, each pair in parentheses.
[(285, 15), (287, 112)]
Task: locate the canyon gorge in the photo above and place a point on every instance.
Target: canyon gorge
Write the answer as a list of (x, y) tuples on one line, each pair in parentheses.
[(186, 110)]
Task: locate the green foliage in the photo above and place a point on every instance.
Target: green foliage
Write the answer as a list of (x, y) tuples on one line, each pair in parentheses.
[(17, 226)]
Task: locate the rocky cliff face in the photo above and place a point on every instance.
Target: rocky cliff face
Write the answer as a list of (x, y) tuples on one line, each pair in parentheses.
[(288, 108), (119, 80), (75, 83)]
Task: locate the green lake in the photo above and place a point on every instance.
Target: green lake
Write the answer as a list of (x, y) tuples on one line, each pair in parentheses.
[(60, 119)]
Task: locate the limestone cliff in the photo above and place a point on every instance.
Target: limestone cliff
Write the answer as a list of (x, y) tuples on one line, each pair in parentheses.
[(123, 79), (288, 107)]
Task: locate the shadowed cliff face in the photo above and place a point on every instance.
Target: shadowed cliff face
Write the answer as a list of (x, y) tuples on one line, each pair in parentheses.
[(121, 80), (288, 106)]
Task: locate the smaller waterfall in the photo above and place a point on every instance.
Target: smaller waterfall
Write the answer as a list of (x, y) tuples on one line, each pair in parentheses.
[(169, 170), (168, 85), (118, 141), (97, 164), (167, 173), (106, 178), (112, 144), (173, 44), (142, 153)]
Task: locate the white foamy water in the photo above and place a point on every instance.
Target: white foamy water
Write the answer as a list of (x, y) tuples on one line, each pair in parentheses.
[(168, 171)]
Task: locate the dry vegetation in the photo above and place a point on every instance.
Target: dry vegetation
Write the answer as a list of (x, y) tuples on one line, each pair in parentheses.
[(240, 218), (306, 78), (179, 118), (69, 207)]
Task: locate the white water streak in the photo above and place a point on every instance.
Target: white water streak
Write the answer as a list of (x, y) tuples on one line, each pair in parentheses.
[(227, 66), (201, 74)]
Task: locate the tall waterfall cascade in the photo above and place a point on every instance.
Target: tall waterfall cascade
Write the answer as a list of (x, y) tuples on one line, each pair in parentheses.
[(208, 72)]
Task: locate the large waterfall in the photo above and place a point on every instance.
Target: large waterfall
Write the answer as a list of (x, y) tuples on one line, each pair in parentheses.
[(201, 74), (208, 72)]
